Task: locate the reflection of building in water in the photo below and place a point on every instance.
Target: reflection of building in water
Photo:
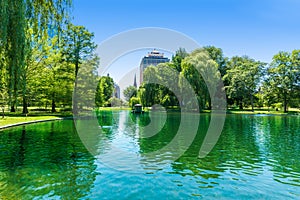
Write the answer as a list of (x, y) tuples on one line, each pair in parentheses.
[(153, 58)]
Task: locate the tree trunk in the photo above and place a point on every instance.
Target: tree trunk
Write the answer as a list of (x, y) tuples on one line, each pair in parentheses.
[(25, 106), (12, 108), (209, 101), (75, 104), (53, 110), (285, 103), (252, 106), (53, 106), (241, 104)]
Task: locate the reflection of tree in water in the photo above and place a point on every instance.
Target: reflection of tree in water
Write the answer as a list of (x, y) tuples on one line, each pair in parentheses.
[(162, 137), (282, 147), (105, 118), (238, 144), (52, 162), (236, 150), (106, 121)]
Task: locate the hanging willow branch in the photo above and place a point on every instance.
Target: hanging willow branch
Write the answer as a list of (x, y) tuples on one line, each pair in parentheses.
[(17, 17)]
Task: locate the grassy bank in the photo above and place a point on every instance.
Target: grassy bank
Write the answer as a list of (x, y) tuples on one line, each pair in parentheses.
[(18, 117), (14, 120), (229, 111), (263, 111), (112, 108)]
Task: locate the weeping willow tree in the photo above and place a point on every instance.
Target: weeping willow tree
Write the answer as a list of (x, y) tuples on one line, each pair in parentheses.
[(17, 17), (13, 44)]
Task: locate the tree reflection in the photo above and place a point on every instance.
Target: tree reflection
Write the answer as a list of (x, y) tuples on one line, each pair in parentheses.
[(236, 151), (282, 147), (45, 161)]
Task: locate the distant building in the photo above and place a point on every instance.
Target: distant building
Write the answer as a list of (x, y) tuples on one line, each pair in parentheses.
[(134, 81), (153, 58), (116, 91)]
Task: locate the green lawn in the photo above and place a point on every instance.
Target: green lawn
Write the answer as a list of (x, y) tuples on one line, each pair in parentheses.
[(264, 111), (13, 120), (18, 117), (113, 108)]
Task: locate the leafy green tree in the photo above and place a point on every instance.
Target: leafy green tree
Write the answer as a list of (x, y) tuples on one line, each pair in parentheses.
[(129, 92), (216, 54), (170, 78), (296, 69), (150, 91), (35, 60), (87, 80), (3, 83), (244, 75), (160, 83), (78, 46), (104, 91), (115, 102), (268, 93), (203, 75), (15, 48), (177, 59), (48, 79), (133, 101), (284, 75), (197, 68), (141, 94), (17, 17)]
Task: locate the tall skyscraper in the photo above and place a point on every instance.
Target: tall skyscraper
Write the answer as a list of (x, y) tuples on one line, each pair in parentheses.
[(153, 58)]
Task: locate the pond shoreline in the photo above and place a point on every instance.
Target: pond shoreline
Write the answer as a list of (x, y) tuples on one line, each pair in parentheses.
[(33, 122), (228, 112)]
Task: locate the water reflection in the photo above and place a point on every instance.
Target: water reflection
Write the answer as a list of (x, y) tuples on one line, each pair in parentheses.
[(252, 153), (280, 147), (256, 157), (44, 160)]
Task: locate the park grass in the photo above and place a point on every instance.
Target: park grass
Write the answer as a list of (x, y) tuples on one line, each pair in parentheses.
[(264, 111), (229, 111), (14, 120), (18, 117), (113, 108)]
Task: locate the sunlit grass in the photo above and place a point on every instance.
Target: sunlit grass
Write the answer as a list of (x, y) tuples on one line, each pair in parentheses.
[(114, 108), (17, 117), (14, 120), (264, 111)]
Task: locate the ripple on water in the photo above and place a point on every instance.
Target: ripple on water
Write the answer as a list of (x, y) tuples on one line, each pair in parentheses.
[(256, 157)]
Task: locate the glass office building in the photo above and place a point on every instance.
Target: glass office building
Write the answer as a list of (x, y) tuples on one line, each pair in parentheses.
[(153, 58)]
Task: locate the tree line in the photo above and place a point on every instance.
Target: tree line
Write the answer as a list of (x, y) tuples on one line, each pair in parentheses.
[(247, 82), (41, 53)]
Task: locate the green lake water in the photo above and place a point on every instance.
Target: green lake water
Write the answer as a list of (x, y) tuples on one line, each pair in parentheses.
[(256, 156)]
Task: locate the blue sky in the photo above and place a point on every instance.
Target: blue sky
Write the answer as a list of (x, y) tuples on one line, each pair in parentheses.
[(256, 28)]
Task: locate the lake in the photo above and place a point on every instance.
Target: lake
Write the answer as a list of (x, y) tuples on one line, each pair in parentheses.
[(256, 156)]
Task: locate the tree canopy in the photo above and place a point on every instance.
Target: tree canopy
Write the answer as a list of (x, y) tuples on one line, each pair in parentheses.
[(47, 61)]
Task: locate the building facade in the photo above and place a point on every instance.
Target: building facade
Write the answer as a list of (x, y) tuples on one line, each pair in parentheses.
[(116, 92), (153, 58)]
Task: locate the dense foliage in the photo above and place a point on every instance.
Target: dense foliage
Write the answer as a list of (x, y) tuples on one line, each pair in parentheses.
[(247, 82), (42, 52)]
